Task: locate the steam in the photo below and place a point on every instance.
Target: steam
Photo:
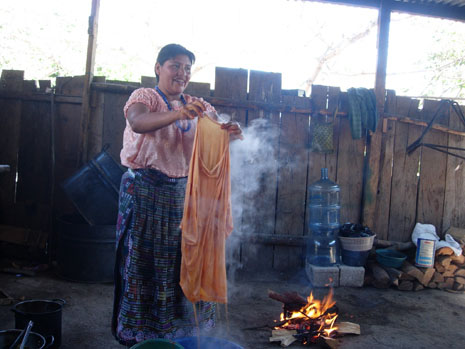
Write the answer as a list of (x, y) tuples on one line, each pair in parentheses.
[(252, 159)]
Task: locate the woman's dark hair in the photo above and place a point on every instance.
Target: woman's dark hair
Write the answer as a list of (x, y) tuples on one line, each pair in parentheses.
[(172, 50)]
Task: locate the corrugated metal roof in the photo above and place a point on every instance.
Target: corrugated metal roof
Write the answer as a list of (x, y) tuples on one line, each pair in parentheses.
[(448, 9)]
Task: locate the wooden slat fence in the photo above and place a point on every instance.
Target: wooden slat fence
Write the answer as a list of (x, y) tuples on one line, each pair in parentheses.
[(271, 220)]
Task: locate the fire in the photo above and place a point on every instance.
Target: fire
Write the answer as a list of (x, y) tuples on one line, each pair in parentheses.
[(314, 319)]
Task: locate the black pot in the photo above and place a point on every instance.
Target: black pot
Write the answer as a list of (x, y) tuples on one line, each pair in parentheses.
[(46, 315), (34, 340)]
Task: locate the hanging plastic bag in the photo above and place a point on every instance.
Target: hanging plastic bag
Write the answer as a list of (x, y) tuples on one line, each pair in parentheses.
[(321, 132)]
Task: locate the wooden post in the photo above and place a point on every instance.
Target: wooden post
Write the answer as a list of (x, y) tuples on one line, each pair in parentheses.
[(372, 174), (85, 112), (10, 120)]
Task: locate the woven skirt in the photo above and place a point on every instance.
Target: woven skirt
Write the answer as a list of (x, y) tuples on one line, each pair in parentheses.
[(148, 302)]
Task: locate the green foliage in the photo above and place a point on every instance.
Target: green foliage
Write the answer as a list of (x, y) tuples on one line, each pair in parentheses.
[(307, 42), (447, 63)]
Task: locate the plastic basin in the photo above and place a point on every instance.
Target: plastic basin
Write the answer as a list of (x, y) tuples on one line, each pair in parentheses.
[(207, 343), (354, 258), (157, 344), (390, 258)]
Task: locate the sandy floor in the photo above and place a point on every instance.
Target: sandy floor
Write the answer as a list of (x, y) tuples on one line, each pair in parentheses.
[(388, 318)]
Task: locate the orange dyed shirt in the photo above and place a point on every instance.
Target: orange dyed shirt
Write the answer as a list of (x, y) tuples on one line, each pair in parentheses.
[(207, 219)]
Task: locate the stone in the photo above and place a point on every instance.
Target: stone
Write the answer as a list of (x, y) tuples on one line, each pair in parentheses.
[(322, 276), (351, 276)]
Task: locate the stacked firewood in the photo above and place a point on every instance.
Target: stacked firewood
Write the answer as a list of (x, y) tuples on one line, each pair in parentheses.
[(448, 273)]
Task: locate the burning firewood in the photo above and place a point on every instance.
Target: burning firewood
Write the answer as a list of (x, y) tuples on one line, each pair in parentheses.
[(309, 321), (291, 300), (287, 337)]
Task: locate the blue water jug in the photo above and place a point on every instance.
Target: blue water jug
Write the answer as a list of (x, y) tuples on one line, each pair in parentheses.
[(324, 206)]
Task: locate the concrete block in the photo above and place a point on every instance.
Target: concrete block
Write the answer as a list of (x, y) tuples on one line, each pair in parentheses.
[(322, 276), (351, 276)]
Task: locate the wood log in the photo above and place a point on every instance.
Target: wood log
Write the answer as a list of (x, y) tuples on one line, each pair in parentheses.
[(444, 260), (417, 286), (286, 337), (432, 285), (438, 277), (444, 251), (405, 276), (381, 278), (448, 274), (289, 298), (413, 271), (460, 272), (458, 260), (427, 276), (368, 279), (460, 280), (439, 267), (447, 284), (394, 274), (346, 327), (458, 287), (405, 285)]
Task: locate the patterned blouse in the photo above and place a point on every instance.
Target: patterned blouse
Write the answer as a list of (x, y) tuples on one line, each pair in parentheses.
[(168, 149)]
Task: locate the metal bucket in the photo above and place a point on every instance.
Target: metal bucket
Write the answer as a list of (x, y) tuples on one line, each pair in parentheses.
[(94, 189), (86, 253), (46, 315), (34, 340), (425, 253)]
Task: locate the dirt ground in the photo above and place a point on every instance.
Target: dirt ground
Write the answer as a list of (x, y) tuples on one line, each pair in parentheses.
[(388, 318)]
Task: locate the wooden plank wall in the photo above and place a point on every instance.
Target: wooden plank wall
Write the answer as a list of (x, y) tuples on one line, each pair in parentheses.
[(424, 186)]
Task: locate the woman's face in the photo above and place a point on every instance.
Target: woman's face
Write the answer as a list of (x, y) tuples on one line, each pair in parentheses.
[(174, 75)]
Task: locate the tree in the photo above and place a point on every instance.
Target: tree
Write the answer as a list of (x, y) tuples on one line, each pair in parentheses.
[(446, 61)]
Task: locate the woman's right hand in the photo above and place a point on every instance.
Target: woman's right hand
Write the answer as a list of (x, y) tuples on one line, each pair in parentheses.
[(191, 110)]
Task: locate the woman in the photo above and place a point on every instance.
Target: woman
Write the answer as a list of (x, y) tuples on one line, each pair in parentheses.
[(157, 147)]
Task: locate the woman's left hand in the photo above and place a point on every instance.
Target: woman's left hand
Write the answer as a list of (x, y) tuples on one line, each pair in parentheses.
[(234, 130)]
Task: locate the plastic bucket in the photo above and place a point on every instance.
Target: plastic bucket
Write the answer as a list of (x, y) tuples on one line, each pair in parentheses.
[(207, 343), (355, 250), (357, 243), (86, 253), (94, 190)]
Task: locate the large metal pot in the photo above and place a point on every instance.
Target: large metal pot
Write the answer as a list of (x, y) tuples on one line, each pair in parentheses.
[(34, 340), (46, 315)]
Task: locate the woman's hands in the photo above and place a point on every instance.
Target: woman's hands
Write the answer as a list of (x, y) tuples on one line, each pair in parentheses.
[(234, 130), (191, 110)]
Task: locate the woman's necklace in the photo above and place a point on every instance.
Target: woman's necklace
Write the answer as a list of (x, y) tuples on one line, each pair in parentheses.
[(178, 124)]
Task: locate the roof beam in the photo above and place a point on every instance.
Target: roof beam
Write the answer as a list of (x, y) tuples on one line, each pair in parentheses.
[(450, 10)]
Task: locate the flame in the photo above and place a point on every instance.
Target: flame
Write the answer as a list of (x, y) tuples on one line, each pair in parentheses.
[(315, 317)]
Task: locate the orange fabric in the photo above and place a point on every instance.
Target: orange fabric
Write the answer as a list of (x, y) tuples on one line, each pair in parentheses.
[(207, 218)]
